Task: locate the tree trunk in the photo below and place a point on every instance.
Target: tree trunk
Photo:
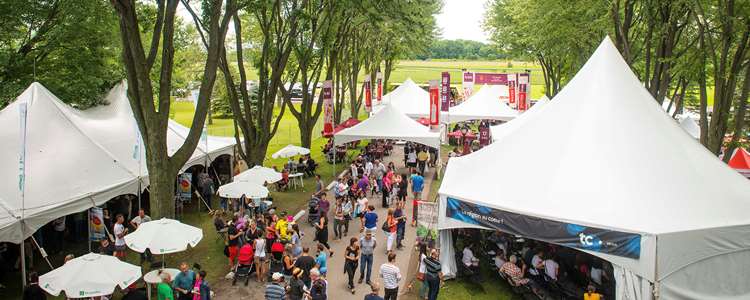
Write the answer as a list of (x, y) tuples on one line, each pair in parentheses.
[(739, 117)]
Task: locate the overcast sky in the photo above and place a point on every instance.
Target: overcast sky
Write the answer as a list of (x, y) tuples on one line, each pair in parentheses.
[(459, 19), (462, 19)]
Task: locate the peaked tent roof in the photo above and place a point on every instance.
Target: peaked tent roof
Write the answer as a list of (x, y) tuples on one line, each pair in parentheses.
[(621, 164), (485, 104), (389, 123), (409, 98), (67, 170), (498, 132), (98, 146), (690, 126), (740, 161)]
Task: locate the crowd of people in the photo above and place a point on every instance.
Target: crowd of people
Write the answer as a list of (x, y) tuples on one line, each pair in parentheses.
[(543, 268)]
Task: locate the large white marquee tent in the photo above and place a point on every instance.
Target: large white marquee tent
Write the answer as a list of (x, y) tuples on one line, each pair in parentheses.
[(485, 104), (389, 123), (621, 165), (409, 98), (75, 159)]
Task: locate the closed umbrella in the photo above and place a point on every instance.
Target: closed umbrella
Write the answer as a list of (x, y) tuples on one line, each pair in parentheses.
[(291, 151), (238, 188), (90, 275), (259, 175), (163, 236)]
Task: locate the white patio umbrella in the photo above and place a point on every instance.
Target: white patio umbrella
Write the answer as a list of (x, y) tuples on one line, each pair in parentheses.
[(290, 151), (259, 175), (163, 236), (238, 188), (90, 275)]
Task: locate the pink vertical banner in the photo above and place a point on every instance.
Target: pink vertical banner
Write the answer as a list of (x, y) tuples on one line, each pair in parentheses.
[(512, 93), (445, 92), (368, 94), (523, 85), (484, 135), (434, 103), (468, 84), (327, 108)]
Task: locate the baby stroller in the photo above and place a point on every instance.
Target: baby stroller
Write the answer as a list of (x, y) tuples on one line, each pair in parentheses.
[(313, 210), (245, 266), (277, 263)]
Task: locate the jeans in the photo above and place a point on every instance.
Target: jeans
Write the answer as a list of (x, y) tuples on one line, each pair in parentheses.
[(350, 268), (420, 166), (223, 203), (365, 261), (338, 225), (400, 230), (433, 286), (391, 294), (423, 288), (380, 184)]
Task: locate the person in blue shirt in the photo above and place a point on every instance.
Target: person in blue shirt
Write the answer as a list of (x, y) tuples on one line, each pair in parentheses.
[(370, 221), (321, 262), (183, 282), (417, 184)]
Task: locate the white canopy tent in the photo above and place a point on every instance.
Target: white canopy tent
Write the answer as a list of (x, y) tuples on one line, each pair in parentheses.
[(623, 167), (409, 98), (498, 132), (485, 104), (689, 125), (389, 123), (76, 159)]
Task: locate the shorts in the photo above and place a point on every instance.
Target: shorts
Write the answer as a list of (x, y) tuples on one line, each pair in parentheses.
[(418, 195), (120, 248), (411, 164), (259, 259)]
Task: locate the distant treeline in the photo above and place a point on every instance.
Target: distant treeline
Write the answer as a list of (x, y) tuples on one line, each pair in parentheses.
[(461, 49)]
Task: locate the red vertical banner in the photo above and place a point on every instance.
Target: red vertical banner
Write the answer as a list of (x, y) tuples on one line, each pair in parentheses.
[(434, 102), (523, 85), (380, 87), (368, 94), (327, 108), (445, 92)]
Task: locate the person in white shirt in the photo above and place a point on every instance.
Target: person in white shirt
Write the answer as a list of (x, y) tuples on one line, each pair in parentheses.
[(469, 260), (368, 169), (537, 263), (120, 231), (141, 218), (391, 276), (596, 273), (551, 268)]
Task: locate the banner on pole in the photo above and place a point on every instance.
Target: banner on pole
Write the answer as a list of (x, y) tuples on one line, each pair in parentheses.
[(368, 94), (523, 85), (468, 84), (427, 219), (23, 114), (204, 133), (96, 227), (484, 134), (434, 103), (186, 181), (577, 236), (327, 108), (380, 87), (445, 92), (491, 78), (512, 91)]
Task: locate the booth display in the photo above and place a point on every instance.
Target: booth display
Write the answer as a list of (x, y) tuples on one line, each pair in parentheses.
[(603, 170)]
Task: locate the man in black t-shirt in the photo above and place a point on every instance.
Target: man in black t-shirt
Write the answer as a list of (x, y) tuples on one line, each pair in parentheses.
[(306, 263)]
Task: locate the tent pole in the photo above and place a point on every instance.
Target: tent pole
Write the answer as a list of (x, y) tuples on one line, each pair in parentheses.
[(23, 258), (88, 225), (333, 148)]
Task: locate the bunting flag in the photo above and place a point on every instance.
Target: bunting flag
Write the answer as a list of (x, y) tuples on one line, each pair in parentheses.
[(380, 87), (368, 94), (327, 108), (434, 103), (445, 92), (468, 84)]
